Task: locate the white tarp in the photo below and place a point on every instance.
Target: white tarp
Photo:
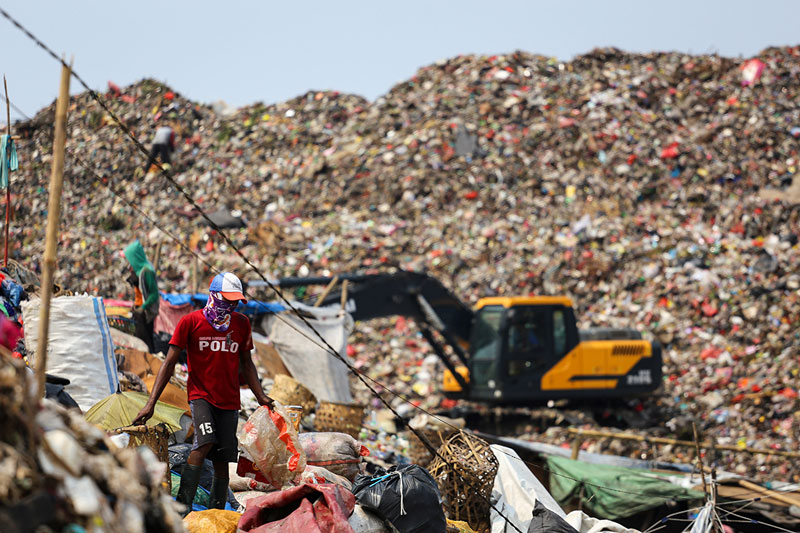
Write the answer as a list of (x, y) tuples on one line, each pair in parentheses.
[(301, 353), (79, 346), (515, 492)]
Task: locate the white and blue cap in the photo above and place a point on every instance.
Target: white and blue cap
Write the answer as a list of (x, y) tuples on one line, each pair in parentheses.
[(229, 286)]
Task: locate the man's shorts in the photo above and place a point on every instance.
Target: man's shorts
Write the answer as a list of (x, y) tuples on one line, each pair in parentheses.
[(218, 426)]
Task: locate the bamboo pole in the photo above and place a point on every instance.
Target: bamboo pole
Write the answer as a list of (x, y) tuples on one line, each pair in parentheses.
[(53, 217), (158, 256), (344, 293), (327, 291), (8, 185), (700, 465), (675, 442), (194, 276), (770, 493)]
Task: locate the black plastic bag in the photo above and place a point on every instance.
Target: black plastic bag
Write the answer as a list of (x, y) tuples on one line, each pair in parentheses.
[(546, 521), (407, 497)]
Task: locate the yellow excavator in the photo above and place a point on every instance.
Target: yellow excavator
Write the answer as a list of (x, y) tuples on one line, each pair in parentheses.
[(509, 350)]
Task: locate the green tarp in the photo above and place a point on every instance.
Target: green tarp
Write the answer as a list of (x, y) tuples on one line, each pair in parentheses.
[(612, 492)]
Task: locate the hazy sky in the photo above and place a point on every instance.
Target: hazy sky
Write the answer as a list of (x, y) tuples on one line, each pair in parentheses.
[(244, 52)]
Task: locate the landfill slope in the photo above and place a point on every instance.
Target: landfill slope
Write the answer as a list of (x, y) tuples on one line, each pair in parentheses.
[(659, 191)]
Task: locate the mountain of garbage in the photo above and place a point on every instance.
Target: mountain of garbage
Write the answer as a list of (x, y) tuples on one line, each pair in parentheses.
[(659, 191)]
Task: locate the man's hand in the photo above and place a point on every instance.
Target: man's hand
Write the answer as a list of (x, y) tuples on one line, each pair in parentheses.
[(266, 400), (144, 415)]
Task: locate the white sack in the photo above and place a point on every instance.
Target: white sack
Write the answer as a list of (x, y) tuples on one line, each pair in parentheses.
[(79, 347), (515, 492), (312, 365)]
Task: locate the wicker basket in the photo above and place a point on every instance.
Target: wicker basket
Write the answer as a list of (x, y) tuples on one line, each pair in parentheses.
[(466, 482), (289, 391), (418, 452), (154, 437), (339, 417)]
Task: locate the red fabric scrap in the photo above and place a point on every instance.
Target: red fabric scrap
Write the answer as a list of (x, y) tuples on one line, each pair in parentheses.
[(311, 509)]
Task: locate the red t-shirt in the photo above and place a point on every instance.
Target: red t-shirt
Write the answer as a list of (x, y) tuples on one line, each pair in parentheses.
[(213, 357)]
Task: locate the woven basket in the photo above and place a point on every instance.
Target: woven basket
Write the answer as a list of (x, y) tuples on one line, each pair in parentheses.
[(418, 452), (466, 478), (154, 437), (339, 417), (289, 391)]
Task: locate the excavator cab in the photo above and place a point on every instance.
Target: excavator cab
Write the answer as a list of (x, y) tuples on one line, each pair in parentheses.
[(526, 349)]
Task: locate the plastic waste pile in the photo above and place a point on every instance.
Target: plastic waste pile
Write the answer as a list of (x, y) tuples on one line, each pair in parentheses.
[(657, 190)]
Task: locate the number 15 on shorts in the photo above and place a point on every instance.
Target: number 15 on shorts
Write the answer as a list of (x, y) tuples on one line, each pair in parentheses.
[(206, 428)]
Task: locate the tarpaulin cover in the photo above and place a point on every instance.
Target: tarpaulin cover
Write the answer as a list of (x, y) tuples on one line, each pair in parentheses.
[(252, 307), (299, 347), (606, 490), (310, 509), (406, 496), (515, 493), (169, 315), (79, 346)]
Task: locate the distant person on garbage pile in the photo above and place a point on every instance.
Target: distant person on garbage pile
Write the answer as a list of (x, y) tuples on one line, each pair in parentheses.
[(218, 342), (163, 146), (142, 275)]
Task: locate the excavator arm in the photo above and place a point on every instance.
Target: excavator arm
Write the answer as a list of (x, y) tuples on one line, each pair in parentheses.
[(408, 294)]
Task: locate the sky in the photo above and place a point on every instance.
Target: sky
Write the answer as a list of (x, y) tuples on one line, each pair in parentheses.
[(268, 51)]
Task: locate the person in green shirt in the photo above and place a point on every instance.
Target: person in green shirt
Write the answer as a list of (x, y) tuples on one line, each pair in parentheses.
[(143, 278)]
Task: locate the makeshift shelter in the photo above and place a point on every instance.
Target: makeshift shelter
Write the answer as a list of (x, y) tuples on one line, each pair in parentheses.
[(305, 355), (118, 410), (606, 490)]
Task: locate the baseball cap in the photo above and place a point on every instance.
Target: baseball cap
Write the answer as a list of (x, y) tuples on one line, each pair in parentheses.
[(228, 285)]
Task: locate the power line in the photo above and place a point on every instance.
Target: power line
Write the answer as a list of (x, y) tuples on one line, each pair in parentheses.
[(227, 239)]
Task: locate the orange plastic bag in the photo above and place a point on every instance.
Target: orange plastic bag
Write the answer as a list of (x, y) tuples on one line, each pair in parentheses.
[(270, 439)]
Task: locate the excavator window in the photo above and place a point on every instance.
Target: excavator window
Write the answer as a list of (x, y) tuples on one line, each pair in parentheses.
[(485, 344), (559, 332)]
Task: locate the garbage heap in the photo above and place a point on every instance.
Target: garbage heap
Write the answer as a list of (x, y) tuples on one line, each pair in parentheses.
[(658, 191), (60, 473)]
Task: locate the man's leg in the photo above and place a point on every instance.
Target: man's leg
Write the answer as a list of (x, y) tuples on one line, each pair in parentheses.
[(204, 438), (191, 475), (219, 486)]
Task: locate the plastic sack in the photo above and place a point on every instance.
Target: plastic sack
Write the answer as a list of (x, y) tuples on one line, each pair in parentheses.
[(270, 439), (338, 453), (407, 497), (363, 521), (318, 475), (212, 521), (79, 346), (247, 476)]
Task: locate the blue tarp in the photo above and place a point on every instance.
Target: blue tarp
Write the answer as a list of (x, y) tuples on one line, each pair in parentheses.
[(253, 307)]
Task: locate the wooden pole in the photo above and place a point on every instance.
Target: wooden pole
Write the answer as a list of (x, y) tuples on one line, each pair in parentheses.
[(53, 217), (327, 291), (576, 447), (194, 276), (785, 498), (8, 185), (687, 443), (344, 293), (158, 255), (700, 465)]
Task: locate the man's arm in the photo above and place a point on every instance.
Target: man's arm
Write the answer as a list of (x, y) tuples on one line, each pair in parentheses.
[(251, 377), (158, 387)]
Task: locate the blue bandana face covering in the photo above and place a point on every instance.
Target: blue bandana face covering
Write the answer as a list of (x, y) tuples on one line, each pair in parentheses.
[(218, 311)]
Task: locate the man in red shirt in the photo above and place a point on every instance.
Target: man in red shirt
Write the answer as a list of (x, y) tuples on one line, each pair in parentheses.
[(218, 342)]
